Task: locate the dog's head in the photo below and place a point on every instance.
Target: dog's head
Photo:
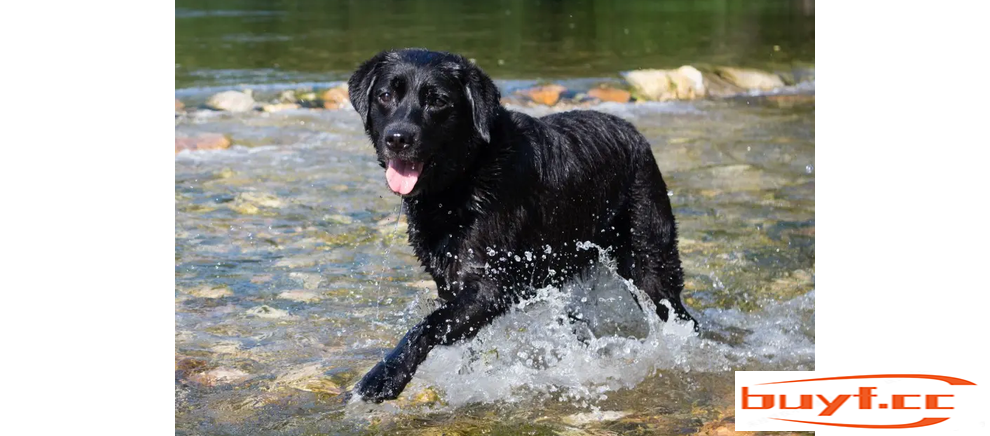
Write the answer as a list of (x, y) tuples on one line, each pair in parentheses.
[(427, 113)]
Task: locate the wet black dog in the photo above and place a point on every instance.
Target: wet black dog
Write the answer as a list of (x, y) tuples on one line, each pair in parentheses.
[(498, 201)]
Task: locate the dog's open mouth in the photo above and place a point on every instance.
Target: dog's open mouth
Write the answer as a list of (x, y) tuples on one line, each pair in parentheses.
[(402, 175)]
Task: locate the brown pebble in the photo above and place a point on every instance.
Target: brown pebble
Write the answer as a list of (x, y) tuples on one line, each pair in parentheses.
[(610, 94), (204, 141), (546, 95), (335, 98)]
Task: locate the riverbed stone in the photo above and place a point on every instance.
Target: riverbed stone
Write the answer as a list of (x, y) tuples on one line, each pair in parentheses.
[(684, 83), (187, 365), (610, 94), (736, 178), (789, 100), (219, 376), (306, 97), (336, 98), (203, 141), (300, 295), (179, 105), (309, 281), (265, 311), (226, 347), (278, 107), (750, 79), (263, 278), (287, 96), (300, 261), (251, 203), (547, 95), (581, 419), (209, 291), (427, 395), (309, 378), (231, 101), (338, 218)]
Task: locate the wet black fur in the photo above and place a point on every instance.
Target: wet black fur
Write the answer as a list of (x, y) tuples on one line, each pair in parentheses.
[(504, 197)]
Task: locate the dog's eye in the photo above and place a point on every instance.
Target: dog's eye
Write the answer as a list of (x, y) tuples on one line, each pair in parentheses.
[(385, 97), (437, 102)]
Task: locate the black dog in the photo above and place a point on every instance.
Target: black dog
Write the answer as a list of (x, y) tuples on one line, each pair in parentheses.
[(498, 201)]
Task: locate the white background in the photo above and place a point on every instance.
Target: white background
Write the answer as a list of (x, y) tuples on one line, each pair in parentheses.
[(88, 204)]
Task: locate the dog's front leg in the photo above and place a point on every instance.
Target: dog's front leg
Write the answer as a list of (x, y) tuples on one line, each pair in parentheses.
[(458, 319)]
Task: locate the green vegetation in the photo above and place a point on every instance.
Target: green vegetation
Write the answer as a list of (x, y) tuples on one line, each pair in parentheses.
[(253, 41)]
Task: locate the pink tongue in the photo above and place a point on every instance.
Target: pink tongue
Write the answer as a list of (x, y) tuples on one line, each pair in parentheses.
[(402, 175)]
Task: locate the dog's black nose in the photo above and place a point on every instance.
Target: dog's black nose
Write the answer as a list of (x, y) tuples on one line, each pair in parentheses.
[(399, 139)]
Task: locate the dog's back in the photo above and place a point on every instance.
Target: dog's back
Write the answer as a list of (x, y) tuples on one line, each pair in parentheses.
[(576, 164)]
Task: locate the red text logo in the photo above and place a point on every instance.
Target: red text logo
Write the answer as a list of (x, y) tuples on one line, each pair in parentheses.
[(889, 398)]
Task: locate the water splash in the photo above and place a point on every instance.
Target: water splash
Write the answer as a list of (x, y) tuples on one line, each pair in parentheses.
[(589, 337)]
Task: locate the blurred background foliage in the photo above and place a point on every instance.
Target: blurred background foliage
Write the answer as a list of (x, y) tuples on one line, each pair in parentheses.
[(226, 42)]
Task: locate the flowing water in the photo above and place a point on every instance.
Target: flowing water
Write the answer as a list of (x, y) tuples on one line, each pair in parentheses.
[(293, 275), (230, 42)]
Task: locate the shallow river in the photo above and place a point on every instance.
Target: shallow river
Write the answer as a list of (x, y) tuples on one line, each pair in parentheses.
[(293, 277), (230, 42)]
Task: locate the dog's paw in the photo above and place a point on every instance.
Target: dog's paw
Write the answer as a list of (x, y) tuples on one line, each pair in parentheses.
[(381, 383)]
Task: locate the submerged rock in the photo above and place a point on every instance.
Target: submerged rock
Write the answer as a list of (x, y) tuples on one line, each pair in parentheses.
[(309, 281), (251, 203), (277, 107), (302, 261), (336, 98), (179, 106), (610, 94), (287, 96), (309, 378), (300, 295), (750, 79), (265, 311), (684, 83), (210, 291), (205, 141), (581, 419), (232, 101), (338, 218), (547, 95), (737, 178), (789, 100), (186, 366), (264, 278), (427, 396), (219, 376)]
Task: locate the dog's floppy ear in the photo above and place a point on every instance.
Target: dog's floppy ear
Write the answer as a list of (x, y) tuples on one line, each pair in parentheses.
[(483, 96), (362, 82)]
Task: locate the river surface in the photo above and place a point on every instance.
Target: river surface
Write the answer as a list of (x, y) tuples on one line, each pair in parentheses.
[(293, 275), (230, 42)]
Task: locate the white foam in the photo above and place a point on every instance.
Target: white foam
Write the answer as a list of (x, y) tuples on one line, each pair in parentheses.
[(536, 351)]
